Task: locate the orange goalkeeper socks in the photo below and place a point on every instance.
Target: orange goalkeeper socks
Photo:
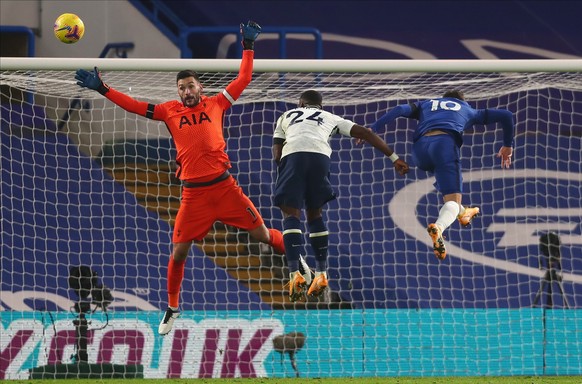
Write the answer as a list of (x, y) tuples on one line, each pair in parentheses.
[(175, 277), (277, 241)]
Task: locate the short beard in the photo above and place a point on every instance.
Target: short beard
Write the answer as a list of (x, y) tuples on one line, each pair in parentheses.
[(194, 102)]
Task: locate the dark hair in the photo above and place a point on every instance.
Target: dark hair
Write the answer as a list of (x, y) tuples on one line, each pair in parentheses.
[(455, 93), (311, 97), (187, 73)]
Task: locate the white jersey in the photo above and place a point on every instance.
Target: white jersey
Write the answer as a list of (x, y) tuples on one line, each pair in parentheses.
[(309, 130)]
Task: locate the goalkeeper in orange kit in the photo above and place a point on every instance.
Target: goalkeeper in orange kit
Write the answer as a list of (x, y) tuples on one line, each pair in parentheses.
[(209, 192)]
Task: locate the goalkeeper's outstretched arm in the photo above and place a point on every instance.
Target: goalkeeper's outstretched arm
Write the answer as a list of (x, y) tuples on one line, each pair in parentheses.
[(92, 80), (249, 31)]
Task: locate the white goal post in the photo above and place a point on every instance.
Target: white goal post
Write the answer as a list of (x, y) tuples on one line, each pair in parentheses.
[(86, 183), (289, 65)]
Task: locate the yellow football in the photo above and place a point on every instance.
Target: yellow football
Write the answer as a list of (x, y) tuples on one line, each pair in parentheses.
[(69, 28)]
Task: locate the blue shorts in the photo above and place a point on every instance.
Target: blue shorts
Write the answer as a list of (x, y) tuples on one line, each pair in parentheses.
[(303, 181), (440, 155)]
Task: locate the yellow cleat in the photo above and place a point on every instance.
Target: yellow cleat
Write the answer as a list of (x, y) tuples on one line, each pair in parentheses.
[(438, 243), (468, 215)]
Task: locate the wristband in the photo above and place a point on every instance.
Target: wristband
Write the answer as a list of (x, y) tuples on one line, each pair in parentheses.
[(393, 157), (103, 88), (248, 44)]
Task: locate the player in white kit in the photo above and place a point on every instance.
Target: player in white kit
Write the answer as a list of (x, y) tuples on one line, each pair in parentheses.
[(302, 152)]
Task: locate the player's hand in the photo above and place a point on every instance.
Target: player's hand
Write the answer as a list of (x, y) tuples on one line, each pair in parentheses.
[(401, 167), (249, 31), (91, 80), (505, 154)]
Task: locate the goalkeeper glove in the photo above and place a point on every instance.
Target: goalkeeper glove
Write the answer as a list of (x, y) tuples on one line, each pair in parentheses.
[(91, 80), (249, 32)]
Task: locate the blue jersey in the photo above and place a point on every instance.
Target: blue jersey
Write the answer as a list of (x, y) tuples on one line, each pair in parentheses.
[(449, 115)]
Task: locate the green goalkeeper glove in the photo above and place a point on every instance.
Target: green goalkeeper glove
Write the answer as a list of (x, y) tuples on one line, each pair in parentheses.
[(249, 33)]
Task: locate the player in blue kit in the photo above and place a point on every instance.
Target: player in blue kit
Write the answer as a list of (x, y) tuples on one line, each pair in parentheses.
[(436, 149), (302, 152)]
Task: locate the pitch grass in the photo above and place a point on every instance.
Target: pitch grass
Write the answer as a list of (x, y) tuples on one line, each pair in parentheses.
[(363, 380)]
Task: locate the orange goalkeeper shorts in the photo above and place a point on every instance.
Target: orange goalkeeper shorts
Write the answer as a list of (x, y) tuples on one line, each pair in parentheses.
[(200, 207)]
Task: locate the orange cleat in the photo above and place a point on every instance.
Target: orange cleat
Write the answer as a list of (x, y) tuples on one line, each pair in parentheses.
[(468, 215), (297, 286), (438, 243), (318, 286)]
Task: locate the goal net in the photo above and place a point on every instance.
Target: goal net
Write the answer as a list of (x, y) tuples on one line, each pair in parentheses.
[(86, 184)]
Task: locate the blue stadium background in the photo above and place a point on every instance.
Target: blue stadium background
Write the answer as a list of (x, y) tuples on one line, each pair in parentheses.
[(437, 28), (63, 209)]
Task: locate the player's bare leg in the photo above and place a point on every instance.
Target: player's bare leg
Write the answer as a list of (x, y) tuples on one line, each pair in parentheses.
[(269, 236)]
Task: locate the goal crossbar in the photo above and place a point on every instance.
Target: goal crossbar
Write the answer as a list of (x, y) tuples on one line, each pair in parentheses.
[(266, 65)]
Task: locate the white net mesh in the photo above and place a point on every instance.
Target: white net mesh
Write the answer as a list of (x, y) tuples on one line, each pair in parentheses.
[(86, 183)]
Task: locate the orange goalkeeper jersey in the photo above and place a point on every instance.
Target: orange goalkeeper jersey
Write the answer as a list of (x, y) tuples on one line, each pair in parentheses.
[(197, 131)]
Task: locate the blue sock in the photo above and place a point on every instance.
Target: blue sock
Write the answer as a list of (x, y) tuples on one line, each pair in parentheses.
[(293, 239), (319, 238)]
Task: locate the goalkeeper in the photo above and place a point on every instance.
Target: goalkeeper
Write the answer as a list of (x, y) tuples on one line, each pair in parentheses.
[(209, 192), (302, 152), (436, 149)]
